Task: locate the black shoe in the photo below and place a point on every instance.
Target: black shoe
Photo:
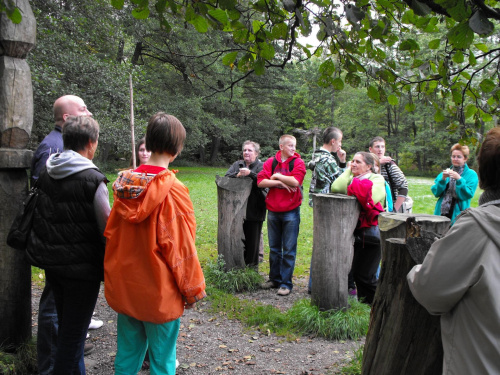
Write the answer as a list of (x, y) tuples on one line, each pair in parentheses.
[(269, 285), (88, 348)]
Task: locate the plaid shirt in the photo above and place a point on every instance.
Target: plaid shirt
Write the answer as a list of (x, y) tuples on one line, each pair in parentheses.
[(326, 170)]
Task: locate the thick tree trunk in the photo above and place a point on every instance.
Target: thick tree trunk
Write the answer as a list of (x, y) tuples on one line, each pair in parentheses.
[(232, 197), (335, 217), (16, 121), (215, 149), (403, 338)]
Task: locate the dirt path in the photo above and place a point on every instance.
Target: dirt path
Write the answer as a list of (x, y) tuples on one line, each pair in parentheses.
[(212, 344)]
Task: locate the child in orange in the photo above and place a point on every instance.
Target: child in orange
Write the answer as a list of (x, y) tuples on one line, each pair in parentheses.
[(151, 268)]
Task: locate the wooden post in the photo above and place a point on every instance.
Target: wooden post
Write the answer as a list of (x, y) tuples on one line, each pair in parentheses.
[(403, 338), (335, 217), (132, 131), (16, 121), (232, 198)]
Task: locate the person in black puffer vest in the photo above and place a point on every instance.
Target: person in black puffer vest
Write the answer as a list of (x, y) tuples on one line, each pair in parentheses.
[(67, 236)]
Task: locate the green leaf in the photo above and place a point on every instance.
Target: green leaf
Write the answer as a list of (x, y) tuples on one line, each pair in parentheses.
[(393, 100), (266, 51), (140, 13), (487, 85), (434, 44), (472, 59), (470, 110), (457, 96), (200, 24), (482, 47), (486, 117), (353, 79), (461, 36), (338, 84), (420, 9), (220, 15), (410, 107), (279, 31), (260, 67), (118, 4), (15, 15), (230, 58), (438, 116), (256, 26), (373, 93), (458, 57), (409, 45), (327, 68)]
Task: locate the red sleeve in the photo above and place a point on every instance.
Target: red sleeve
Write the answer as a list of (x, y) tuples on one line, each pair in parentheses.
[(266, 172), (299, 170)]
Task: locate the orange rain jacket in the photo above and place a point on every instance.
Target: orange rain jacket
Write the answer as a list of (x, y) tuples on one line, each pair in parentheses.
[(151, 268)]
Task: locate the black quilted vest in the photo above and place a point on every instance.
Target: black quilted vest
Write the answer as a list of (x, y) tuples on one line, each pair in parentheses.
[(65, 238)]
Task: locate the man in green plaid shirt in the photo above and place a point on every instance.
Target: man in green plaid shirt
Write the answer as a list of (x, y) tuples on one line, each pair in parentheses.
[(324, 164)]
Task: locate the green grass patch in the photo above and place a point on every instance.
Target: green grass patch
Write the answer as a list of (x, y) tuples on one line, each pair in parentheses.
[(354, 367), (236, 280), (302, 319)]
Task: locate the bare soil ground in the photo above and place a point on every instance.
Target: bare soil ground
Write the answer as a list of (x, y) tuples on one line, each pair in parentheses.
[(212, 344)]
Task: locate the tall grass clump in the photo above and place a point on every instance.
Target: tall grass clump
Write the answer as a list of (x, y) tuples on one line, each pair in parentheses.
[(232, 281), (354, 367), (23, 361), (351, 323)]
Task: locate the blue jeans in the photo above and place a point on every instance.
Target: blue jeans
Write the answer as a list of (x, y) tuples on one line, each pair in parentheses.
[(75, 301), (283, 231), (48, 325)]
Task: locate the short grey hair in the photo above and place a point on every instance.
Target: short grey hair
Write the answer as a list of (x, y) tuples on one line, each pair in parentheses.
[(255, 146), (78, 131)]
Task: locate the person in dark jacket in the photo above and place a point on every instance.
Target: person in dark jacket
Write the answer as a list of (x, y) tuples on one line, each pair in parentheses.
[(67, 237), (67, 105), (250, 167)]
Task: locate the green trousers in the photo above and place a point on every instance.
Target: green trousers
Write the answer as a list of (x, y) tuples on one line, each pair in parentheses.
[(135, 337)]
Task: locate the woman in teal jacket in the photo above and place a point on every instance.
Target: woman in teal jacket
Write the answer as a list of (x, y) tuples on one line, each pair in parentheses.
[(455, 186)]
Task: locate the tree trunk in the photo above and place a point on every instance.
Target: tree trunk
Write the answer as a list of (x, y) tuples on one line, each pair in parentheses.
[(232, 198), (16, 121), (335, 217), (215, 148), (403, 338)]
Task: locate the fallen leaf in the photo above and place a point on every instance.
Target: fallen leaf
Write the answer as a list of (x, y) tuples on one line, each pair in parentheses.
[(279, 350), (222, 346)]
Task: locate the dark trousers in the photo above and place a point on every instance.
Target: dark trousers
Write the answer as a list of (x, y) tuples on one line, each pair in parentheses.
[(75, 301), (364, 269), (47, 331), (252, 231)]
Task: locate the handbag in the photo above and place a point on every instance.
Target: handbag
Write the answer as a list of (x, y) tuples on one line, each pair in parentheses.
[(21, 227)]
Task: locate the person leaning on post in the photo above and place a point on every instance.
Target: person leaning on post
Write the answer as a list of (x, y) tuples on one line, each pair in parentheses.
[(283, 204), (361, 181), (325, 168), (460, 276), (249, 167)]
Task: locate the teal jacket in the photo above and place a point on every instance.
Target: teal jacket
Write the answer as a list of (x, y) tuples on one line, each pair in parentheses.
[(465, 189)]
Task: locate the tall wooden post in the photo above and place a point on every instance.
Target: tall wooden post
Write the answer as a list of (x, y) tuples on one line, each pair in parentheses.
[(16, 121), (232, 198), (335, 217), (403, 338)]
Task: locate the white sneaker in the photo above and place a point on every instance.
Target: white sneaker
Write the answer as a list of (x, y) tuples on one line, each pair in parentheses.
[(87, 336), (177, 363), (95, 323)]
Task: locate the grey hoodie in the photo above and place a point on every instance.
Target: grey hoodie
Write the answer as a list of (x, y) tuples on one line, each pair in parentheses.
[(459, 280), (69, 162)]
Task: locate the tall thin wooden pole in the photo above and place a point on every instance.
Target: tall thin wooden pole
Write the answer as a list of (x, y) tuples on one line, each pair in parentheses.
[(132, 121)]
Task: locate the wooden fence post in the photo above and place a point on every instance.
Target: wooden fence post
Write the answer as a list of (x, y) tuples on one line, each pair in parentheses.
[(403, 338), (232, 198), (16, 120), (335, 217)]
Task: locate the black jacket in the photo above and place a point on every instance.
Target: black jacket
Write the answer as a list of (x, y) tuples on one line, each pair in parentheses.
[(65, 237)]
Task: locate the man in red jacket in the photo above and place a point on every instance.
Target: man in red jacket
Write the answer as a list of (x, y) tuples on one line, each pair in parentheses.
[(283, 174)]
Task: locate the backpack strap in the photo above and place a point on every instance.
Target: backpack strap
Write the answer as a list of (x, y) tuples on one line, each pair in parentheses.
[(275, 163)]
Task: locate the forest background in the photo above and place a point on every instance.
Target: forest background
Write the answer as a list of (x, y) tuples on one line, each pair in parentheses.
[(91, 49)]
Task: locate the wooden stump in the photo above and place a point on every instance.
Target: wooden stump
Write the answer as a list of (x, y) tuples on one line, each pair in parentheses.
[(403, 338), (15, 272), (335, 217), (232, 198), (17, 40)]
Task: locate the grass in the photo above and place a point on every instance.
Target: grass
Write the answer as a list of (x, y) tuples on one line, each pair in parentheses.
[(23, 361)]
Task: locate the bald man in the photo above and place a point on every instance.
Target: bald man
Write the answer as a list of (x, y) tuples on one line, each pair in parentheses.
[(67, 105)]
